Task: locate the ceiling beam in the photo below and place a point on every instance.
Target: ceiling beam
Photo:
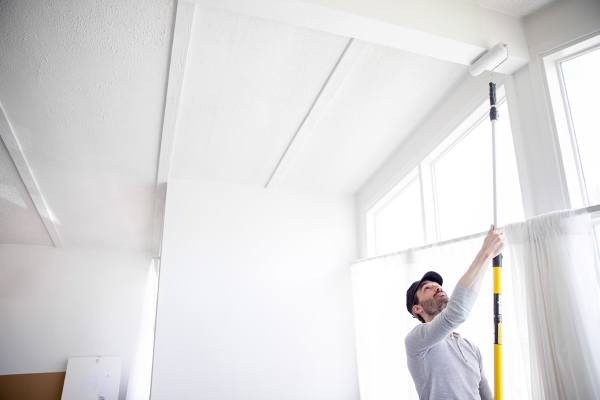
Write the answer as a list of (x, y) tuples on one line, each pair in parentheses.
[(15, 151), (182, 32), (451, 31)]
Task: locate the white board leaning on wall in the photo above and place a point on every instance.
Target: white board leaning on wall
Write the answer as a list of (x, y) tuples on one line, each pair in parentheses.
[(92, 378)]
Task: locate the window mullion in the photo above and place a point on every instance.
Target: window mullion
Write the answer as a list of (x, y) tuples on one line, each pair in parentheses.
[(430, 224)]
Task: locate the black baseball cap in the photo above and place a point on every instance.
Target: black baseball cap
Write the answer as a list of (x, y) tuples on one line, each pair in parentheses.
[(431, 276)]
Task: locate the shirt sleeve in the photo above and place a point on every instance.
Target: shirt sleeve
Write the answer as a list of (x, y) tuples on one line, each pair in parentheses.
[(484, 388), (424, 336)]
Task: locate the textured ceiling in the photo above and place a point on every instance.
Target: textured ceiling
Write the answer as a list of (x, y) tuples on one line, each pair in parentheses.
[(83, 85)]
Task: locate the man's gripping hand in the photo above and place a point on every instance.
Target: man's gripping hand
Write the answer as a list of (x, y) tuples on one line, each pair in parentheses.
[(493, 243)]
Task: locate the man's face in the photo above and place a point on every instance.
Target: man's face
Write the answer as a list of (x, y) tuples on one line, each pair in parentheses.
[(431, 298)]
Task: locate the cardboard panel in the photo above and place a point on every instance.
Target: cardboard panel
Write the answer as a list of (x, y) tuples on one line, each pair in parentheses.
[(43, 386)]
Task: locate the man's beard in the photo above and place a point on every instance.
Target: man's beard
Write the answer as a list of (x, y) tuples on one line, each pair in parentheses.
[(434, 306)]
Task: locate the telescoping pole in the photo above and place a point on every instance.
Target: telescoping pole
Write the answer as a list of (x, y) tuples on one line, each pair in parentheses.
[(497, 262)]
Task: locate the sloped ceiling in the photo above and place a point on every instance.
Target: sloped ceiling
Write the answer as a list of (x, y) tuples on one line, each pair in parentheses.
[(385, 95), (249, 83)]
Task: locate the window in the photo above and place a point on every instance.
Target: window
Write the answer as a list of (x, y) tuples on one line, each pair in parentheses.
[(396, 220), (462, 188), (450, 193), (461, 171), (573, 81)]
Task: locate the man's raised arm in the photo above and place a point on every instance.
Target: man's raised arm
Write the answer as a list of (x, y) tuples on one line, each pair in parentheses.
[(461, 302)]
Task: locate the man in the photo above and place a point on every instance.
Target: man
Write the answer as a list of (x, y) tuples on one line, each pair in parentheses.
[(443, 364)]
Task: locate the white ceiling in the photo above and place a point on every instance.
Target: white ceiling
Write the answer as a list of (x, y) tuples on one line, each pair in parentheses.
[(85, 84), (249, 83), (385, 96)]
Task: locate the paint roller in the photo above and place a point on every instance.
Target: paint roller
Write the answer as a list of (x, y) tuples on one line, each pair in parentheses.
[(489, 61)]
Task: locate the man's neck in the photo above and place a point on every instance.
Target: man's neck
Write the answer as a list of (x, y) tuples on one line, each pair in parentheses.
[(428, 317)]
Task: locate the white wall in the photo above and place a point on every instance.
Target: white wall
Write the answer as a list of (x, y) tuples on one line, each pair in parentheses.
[(255, 296), (57, 303)]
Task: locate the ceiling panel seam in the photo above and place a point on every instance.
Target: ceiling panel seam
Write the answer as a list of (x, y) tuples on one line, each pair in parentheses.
[(309, 112), (15, 152)]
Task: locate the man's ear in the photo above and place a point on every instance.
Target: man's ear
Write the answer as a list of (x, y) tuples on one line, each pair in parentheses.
[(416, 309)]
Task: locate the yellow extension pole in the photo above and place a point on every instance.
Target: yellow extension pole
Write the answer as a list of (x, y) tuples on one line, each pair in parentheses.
[(497, 262), (497, 267)]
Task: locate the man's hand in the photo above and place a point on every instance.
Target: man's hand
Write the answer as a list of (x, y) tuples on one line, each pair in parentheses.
[(491, 247), (493, 243)]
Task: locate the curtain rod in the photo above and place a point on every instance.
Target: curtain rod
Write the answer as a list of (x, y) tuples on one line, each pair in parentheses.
[(591, 210)]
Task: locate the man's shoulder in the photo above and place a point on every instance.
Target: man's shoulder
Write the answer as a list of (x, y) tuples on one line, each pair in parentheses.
[(415, 335), (414, 331), (470, 344)]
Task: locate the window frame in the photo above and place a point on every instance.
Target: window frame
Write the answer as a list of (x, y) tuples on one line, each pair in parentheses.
[(385, 200), (562, 116)]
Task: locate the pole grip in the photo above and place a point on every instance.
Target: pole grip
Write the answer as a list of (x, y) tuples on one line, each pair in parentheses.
[(497, 269), (497, 261), (493, 110)]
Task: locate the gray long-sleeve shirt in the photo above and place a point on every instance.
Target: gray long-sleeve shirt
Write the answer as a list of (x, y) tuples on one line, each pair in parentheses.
[(443, 364)]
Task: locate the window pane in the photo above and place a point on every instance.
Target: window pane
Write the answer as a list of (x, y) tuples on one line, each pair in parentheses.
[(510, 199), (463, 181), (582, 82), (398, 224), (463, 185)]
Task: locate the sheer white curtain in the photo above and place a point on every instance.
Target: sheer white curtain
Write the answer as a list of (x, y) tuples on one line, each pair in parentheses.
[(550, 309), (382, 320), (556, 277)]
